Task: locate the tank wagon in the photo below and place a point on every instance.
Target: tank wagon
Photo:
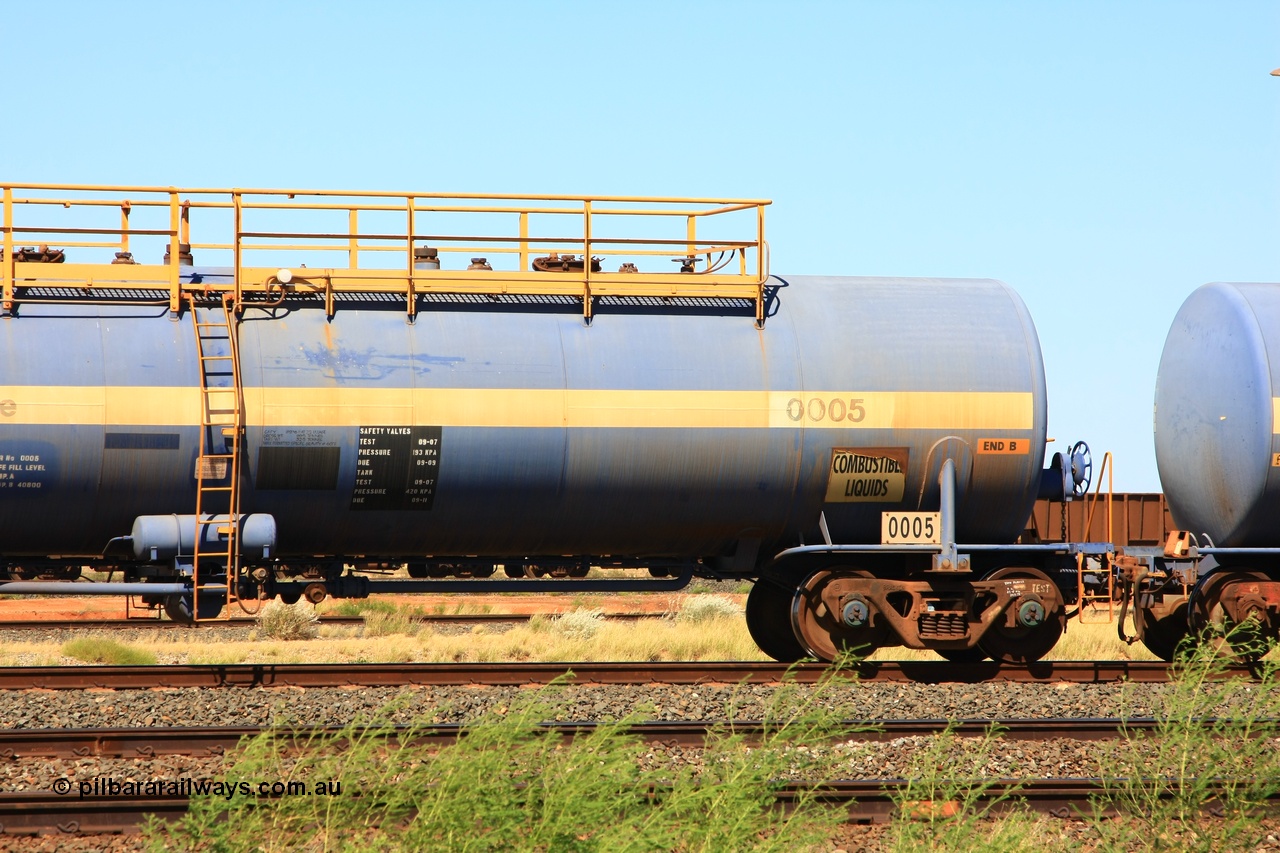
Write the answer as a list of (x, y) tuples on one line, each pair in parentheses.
[(1217, 440), (866, 449)]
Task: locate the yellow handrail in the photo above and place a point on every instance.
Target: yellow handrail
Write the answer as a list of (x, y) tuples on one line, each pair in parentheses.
[(257, 232)]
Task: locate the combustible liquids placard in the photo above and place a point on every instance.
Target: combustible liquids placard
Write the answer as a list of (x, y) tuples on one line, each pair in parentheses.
[(396, 468), (867, 475)]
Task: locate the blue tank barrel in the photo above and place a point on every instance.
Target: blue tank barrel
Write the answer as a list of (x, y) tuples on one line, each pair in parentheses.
[(512, 429)]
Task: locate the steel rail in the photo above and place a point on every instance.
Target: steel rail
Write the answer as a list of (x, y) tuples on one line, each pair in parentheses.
[(206, 741), (517, 674), (877, 801), (865, 800), (151, 622)]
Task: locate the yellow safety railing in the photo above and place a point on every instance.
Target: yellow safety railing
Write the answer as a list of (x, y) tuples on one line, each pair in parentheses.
[(282, 241)]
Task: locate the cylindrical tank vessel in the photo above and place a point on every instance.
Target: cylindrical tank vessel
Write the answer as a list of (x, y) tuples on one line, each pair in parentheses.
[(1215, 414), (506, 428)]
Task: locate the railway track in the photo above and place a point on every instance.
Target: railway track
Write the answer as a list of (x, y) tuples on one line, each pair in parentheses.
[(222, 624), (517, 674), (65, 810), (19, 744), (865, 800)]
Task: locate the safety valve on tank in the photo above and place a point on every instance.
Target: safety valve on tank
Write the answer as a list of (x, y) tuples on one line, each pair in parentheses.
[(42, 255), (426, 258), (185, 258), (480, 264)]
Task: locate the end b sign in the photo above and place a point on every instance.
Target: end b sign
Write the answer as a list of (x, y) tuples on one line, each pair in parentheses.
[(1005, 446)]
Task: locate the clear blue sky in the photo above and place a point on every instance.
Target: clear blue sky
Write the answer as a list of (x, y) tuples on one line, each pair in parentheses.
[(1104, 159)]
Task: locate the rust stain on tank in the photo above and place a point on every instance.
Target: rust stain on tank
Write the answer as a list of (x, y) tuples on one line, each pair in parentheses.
[(328, 337)]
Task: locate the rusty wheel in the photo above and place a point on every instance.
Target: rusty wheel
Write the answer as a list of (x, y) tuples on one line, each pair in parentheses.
[(178, 607), (1163, 634), (1249, 638), (1023, 644), (769, 617), (821, 628)]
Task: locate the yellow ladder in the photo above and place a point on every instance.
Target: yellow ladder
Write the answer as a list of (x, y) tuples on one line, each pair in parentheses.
[(1096, 607), (1100, 607), (222, 414)]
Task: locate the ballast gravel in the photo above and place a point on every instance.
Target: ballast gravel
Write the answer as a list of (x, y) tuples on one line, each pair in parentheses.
[(27, 709)]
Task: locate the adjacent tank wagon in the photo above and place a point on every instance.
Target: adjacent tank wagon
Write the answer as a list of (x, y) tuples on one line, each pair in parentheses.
[(1217, 440), (246, 431)]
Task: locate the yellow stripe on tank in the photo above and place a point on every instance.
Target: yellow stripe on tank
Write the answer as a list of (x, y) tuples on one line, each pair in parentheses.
[(525, 407), (1275, 415)]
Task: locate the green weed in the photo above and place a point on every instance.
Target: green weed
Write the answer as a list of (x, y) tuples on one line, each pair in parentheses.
[(511, 785), (345, 608), (94, 649), (948, 801), (1199, 781)]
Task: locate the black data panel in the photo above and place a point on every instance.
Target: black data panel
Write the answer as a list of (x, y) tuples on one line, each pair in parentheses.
[(396, 468)]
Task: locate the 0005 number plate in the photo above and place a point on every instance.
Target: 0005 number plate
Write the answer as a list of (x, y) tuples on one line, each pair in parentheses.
[(910, 528)]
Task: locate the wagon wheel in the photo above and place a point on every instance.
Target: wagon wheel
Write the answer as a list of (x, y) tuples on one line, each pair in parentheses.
[(1021, 644), (1248, 640), (1163, 635), (769, 617), (178, 607), (823, 631)]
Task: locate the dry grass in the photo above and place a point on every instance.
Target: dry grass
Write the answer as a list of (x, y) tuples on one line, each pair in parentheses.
[(698, 609), (576, 624), (382, 624), (281, 621), (565, 639), (543, 638), (697, 627)]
